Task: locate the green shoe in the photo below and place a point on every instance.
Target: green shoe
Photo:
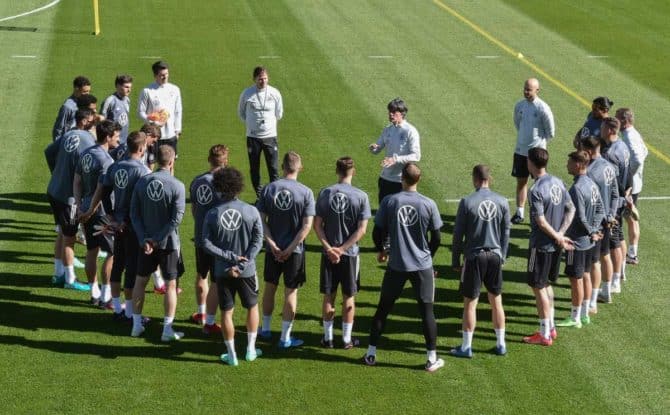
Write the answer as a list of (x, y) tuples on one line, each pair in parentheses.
[(570, 322), (586, 320)]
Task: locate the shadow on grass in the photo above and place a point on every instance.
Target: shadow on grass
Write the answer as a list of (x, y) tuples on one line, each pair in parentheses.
[(25, 202)]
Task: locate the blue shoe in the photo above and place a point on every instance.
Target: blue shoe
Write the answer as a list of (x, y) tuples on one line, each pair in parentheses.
[(77, 286), (265, 334), (460, 352), (227, 360), (251, 356), (77, 263), (58, 280), (500, 350), (290, 343)]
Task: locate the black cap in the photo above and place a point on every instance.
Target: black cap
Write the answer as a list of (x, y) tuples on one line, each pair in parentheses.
[(603, 102)]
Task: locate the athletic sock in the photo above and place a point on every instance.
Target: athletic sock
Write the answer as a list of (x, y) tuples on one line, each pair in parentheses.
[(500, 337), (346, 332), (467, 340), (585, 307), (202, 308), (59, 268), (266, 323), (328, 330), (129, 308), (137, 321), (70, 276), (167, 325), (544, 328), (158, 279), (116, 302), (286, 327), (520, 211), (623, 269), (251, 342), (594, 298), (632, 250), (607, 287), (210, 319), (106, 292), (372, 351), (230, 346), (95, 290), (575, 312), (431, 355), (616, 278)]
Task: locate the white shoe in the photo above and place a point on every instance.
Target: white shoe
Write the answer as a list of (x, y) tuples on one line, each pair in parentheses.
[(616, 288), (137, 332), (172, 336)]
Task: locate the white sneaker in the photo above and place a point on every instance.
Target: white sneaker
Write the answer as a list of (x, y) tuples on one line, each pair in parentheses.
[(137, 332), (172, 336), (435, 366), (616, 288)]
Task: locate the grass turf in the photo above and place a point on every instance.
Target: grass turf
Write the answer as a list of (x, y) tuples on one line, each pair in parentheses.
[(329, 60)]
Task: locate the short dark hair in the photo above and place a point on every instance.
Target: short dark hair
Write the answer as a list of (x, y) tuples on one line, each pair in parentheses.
[(626, 114), (397, 105), (344, 165), (481, 172), (603, 102), (229, 182), (80, 82), (259, 70), (85, 101), (579, 156), (591, 142), (106, 128), (82, 114), (123, 79), (411, 174), (164, 155), (612, 123), (159, 66), (539, 157), (136, 139), (218, 155), (291, 162), (152, 130)]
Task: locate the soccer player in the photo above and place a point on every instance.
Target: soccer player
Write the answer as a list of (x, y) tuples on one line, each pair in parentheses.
[(91, 169), (638, 153), (66, 114), (584, 231), (407, 217), (260, 107), (156, 210), (402, 145), (160, 105), (551, 212), (599, 111), (117, 106), (603, 174), (233, 234), (62, 157), (483, 219), (203, 198), (287, 210), (342, 213), (617, 153), (534, 123)]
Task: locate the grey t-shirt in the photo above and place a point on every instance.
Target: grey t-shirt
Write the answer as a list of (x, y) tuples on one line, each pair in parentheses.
[(232, 229), (547, 198), (408, 217), (589, 212), (118, 109), (122, 177), (92, 167), (157, 208), (203, 198), (483, 219), (68, 149), (341, 207), (603, 173), (65, 120), (618, 154)]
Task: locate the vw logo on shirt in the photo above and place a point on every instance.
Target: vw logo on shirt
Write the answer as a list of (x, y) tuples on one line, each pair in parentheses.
[(121, 179), (87, 163), (339, 202), (487, 210), (155, 190), (407, 215), (71, 143), (283, 200), (231, 219), (204, 194), (555, 194)]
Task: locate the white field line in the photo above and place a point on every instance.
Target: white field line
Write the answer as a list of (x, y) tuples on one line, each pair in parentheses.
[(380, 57), (24, 56), (37, 10), (510, 199), (487, 57), (150, 57), (597, 56), (269, 57)]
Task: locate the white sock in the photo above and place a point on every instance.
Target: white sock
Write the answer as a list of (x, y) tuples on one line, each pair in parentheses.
[(632, 250), (251, 342), (95, 290), (328, 330), (500, 337), (230, 346), (607, 286), (137, 321), (202, 308), (59, 268), (585, 307), (520, 211), (552, 312), (544, 328), (346, 332), (286, 327), (266, 322), (106, 292), (158, 279), (167, 324), (623, 269), (594, 298), (70, 276), (116, 302), (467, 340), (431, 355), (210, 319), (129, 308), (372, 351), (575, 312), (616, 278)]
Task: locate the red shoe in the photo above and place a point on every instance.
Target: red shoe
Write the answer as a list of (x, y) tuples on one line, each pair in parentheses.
[(198, 318), (163, 289), (553, 334), (538, 339), (211, 329)]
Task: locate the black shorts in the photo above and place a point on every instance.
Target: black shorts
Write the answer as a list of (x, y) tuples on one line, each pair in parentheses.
[(61, 212), (169, 261), (204, 263), (616, 231), (346, 272), (634, 197), (387, 187), (293, 269), (594, 252), (126, 252), (104, 241), (605, 241), (577, 263), (520, 166), (227, 287), (484, 268), (543, 267), (423, 282)]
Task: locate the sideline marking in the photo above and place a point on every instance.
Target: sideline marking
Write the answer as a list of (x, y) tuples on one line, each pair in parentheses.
[(534, 67), (380, 56), (487, 56), (597, 56), (24, 56), (37, 10), (511, 199), (269, 57)]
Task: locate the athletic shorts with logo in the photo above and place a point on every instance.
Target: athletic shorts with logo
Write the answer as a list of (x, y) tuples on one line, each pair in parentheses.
[(169, 261), (293, 270), (577, 263), (485, 268), (228, 287), (543, 267), (345, 272)]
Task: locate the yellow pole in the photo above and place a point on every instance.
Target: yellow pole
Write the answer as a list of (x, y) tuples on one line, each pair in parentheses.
[(96, 17)]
